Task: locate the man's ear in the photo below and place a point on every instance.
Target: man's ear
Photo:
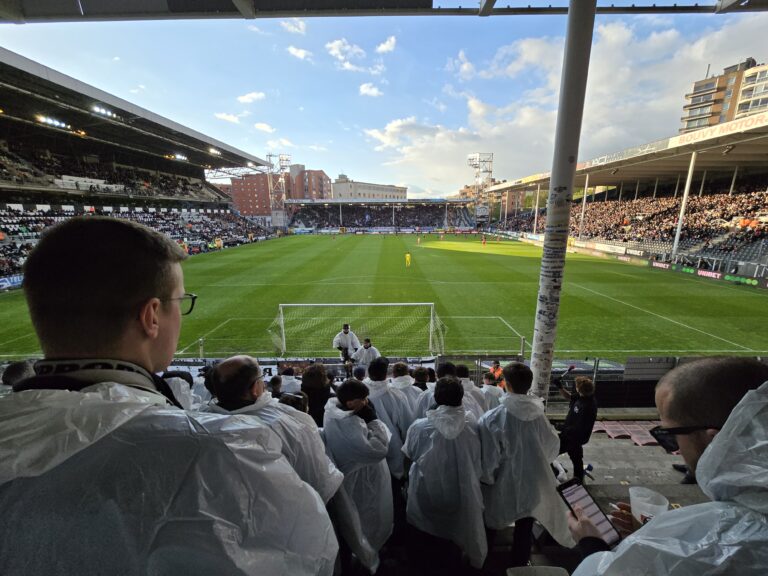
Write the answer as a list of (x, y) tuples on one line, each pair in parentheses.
[(149, 317), (711, 433)]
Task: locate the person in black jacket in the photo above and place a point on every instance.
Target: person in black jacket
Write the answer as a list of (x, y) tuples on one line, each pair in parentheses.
[(579, 422)]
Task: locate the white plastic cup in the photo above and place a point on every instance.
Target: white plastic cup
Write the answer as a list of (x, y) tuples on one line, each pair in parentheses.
[(646, 504)]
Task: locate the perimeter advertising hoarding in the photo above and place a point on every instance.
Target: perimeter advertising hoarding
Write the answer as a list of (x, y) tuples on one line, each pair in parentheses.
[(732, 127), (8, 282)]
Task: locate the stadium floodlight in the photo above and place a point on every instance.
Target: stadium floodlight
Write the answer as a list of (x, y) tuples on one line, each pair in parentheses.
[(399, 328), (178, 156), (214, 151)]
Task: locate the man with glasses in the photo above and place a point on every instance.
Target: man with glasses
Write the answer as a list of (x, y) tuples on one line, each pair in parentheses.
[(715, 412), (101, 472)]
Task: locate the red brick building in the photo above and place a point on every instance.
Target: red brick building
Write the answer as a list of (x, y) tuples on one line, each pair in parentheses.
[(311, 185), (250, 194)]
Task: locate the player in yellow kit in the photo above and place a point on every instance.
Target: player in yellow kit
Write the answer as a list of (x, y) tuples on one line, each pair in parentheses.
[(407, 259)]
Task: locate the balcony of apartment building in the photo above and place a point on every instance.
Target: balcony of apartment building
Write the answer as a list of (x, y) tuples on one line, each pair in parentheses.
[(701, 99), (708, 87), (753, 106), (755, 77)]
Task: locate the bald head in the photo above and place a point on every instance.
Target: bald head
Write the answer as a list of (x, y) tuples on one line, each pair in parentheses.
[(234, 379), (705, 392)]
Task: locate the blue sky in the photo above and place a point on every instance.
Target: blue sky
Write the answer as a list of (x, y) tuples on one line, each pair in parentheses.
[(398, 100)]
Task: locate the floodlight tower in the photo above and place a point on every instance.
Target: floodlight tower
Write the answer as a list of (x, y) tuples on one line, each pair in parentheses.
[(482, 162), (276, 174)]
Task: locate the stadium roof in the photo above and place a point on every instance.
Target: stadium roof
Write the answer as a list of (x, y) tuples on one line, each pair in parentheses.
[(21, 11), (723, 147), (31, 93)]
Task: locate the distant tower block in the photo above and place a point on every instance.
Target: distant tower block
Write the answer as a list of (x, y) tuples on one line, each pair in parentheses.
[(276, 175)]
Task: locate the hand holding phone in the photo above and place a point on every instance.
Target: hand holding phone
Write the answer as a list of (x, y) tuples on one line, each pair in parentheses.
[(588, 519)]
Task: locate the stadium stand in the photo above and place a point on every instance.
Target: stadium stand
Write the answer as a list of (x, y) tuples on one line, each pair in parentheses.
[(368, 215)]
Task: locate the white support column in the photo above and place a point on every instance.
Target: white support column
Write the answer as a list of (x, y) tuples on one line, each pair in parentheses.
[(393, 214), (446, 214), (578, 45), (637, 188), (733, 180), (583, 206), (703, 179), (536, 211), (655, 187), (680, 218), (621, 190), (677, 185), (341, 218), (506, 206)]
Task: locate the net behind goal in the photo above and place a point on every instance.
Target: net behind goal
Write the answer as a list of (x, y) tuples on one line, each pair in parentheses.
[(396, 329)]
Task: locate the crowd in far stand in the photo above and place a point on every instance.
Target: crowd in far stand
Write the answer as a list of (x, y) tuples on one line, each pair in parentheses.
[(373, 216), (644, 219)]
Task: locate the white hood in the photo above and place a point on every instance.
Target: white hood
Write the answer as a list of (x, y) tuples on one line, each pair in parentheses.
[(377, 387), (260, 403), (467, 384), (523, 407), (448, 420), (40, 429), (336, 412), (402, 382), (734, 467)]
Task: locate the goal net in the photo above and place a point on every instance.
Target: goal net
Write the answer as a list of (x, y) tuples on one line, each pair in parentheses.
[(395, 329)]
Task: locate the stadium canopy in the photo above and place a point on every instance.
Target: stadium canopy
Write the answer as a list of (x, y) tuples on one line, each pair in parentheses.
[(741, 143), (36, 95), (22, 11)]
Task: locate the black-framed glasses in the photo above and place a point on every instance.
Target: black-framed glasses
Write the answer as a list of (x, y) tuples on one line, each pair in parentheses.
[(186, 303), (667, 437)]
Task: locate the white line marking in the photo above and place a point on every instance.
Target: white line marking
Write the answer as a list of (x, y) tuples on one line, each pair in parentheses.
[(661, 316), (195, 341), (17, 338), (508, 325)]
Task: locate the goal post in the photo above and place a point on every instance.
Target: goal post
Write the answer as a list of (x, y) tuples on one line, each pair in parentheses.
[(395, 328)]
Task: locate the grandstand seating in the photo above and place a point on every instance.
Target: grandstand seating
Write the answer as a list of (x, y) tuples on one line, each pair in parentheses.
[(716, 225), (373, 216), (21, 229)]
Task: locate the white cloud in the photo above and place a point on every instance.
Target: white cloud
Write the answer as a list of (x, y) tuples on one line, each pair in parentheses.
[(294, 26), (635, 94), (369, 89), (436, 104), (342, 50), (463, 68), (387, 46), (279, 143), (299, 53), (116, 59), (264, 127), (317, 148), (258, 30), (234, 118), (140, 88), (251, 97)]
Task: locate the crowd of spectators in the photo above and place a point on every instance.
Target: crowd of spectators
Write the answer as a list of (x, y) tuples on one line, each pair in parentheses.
[(22, 166), (729, 221), (373, 216), (19, 230)]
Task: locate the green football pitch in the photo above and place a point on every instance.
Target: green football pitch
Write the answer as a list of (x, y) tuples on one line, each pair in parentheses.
[(484, 295)]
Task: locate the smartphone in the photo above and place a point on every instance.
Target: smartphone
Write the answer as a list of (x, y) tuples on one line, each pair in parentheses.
[(575, 494)]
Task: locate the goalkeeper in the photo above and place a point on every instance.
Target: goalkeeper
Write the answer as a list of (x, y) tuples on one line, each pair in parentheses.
[(346, 343)]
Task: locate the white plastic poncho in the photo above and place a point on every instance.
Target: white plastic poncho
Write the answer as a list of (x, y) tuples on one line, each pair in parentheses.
[(290, 385), (348, 341), (426, 402), (723, 537), (493, 395), (302, 445), (518, 444), (365, 355), (110, 479), (360, 451), (184, 394), (444, 496), (393, 410), (475, 392), (411, 392)]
